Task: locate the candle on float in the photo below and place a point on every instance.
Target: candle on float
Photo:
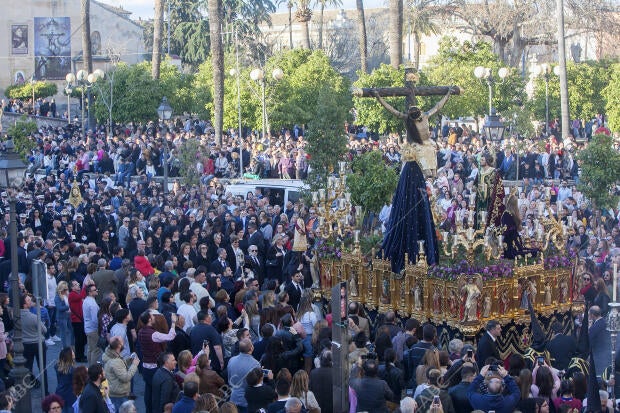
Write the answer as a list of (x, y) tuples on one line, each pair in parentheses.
[(356, 236), (484, 216), (456, 239), (547, 192), (315, 197), (322, 194), (321, 221), (347, 196), (343, 166), (615, 287), (541, 208), (444, 235), (470, 233)]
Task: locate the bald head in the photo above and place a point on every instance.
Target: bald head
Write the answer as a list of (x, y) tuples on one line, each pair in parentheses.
[(245, 346)]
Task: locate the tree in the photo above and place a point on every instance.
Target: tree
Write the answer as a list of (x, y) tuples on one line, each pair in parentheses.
[(22, 133), (322, 4), (371, 182), (326, 138), (420, 16), (24, 91), (303, 16), (612, 95), (600, 164), (188, 156), (395, 32), (361, 29), (217, 61), (87, 55), (296, 99), (454, 65), (158, 27)]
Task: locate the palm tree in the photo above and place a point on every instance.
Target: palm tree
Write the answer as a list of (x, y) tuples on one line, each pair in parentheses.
[(322, 4), (395, 32), (158, 28), (361, 25), (419, 23), (289, 5), (217, 61), (87, 56), (303, 16)]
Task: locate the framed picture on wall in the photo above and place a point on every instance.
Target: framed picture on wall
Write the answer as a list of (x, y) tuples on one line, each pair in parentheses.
[(19, 39)]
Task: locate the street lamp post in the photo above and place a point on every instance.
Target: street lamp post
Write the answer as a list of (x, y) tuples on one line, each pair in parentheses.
[(164, 112), (486, 73), (613, 326), (545, 71), (85, 80), (32, 83), (258, 75), (237, 73), (12, 170)]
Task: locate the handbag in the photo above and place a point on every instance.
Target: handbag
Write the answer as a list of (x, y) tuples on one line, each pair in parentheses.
[(271, 263)]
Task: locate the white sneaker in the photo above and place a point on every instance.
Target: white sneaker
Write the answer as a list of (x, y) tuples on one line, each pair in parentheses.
[(56, 339), (50, 342)]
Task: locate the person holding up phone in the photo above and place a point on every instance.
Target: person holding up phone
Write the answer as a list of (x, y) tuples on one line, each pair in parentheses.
[(503, 393), (434, 396)]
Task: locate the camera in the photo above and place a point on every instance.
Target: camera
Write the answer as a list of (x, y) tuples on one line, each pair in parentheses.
[(541, 361), (493, 367)]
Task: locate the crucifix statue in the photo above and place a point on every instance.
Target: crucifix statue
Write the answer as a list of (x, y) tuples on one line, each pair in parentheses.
[(411, 218)]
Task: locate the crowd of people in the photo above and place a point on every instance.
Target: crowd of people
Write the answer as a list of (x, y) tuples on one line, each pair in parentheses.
[(207, 296)]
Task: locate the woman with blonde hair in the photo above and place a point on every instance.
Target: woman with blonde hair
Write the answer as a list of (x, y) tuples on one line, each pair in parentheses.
[(429, 360), (205, 403), (63, 315), (299, 389), (268, 313), (184, 364)]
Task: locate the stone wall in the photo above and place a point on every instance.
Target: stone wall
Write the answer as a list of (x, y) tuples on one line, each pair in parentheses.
[(9, 119)]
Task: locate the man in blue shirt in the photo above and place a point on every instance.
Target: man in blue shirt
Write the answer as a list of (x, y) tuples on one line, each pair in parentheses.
[(238, 368), (188, 400), (91, 323)]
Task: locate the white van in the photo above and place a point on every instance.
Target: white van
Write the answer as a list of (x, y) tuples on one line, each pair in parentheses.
[(280, 191)]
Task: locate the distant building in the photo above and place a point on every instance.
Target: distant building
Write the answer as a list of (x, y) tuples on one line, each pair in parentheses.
[(45, 39)]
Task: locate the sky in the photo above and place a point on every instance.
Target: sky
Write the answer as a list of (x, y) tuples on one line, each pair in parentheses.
[(144, 8)]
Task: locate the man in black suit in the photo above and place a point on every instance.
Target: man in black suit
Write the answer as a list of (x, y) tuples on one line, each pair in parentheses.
[(255, 263), (487, 346), (256, 238), (218, 266), (561, 347), (294, 288), (165, 387), (321, 382)]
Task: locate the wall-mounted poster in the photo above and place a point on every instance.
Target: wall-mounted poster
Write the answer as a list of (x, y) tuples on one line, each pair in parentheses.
[(19, 39), (52, 47), (20, 78)]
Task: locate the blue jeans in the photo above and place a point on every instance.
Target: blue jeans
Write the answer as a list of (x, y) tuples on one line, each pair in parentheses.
[(117, 401)]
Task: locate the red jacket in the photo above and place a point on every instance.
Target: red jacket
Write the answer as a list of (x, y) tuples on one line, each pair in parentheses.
[(75, 306), (143, 265)]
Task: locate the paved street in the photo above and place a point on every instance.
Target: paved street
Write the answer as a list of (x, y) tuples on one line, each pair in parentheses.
[(52, 356)]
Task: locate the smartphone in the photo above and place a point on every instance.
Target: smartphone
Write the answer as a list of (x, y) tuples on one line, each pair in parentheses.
[(493, 367), (436, 400), (541, 361), (409, 392), (266, 373), (205, 343), (470, 353), (133, 355)]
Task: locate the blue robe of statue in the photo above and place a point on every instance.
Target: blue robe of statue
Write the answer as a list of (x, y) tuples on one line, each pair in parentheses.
[(410, 220)]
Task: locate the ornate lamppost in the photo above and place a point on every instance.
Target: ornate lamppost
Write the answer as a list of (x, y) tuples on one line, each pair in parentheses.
[(164, 112), (258, 75), (545, 70)]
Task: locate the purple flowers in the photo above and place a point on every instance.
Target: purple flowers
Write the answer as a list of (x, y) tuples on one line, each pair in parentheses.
[(489, 272), (558, 261)]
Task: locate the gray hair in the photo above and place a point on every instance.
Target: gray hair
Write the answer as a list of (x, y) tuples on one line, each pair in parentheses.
[(168, 265), (126, 407), (455, 345), (603, 395), (407, 405), (133, 291), (292, 403)]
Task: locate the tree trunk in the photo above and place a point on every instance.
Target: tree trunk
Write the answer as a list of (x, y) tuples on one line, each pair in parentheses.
[(87, 57), (361, 25), (305, 35), (395, 32), (416, 53), (562, 63), (217, 61), (321, 25), (290, 24), (158, 28)]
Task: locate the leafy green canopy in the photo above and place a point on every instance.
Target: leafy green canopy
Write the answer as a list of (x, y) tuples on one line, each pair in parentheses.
[(24, 91), (600, 164), (612, 94), (136, 96), (372, 183), (586, 82), (455, 64), (22, 132)]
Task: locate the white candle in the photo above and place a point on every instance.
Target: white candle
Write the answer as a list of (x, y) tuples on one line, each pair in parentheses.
[(501, 241), (356, 236), (321, 221), (322, 193), (456, 239), (470, 233), (541, 208), (347, 196), (615, 281), (315, 197), (484, 216), (445, 236), (547, 192)]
